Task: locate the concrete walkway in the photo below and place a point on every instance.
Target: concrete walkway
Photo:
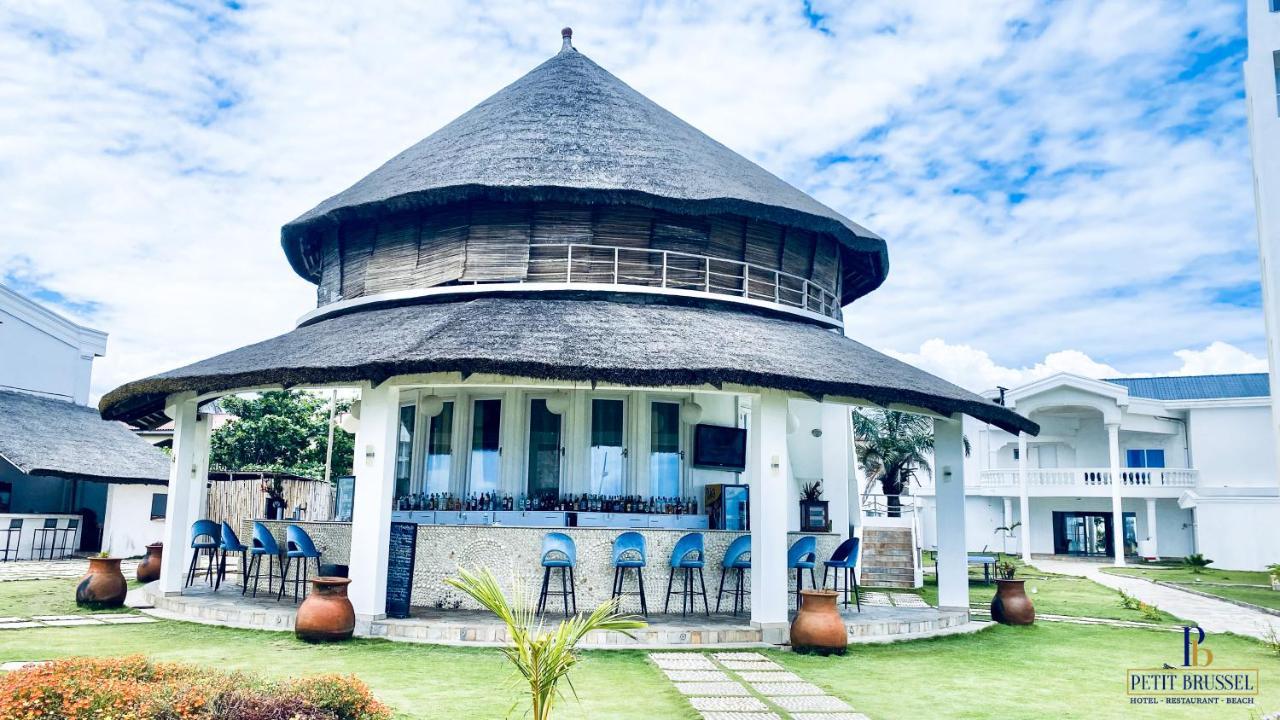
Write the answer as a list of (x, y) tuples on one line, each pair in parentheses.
[(1213, 615)]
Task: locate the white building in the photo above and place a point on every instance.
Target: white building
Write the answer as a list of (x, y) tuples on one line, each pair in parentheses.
[(1194, 456), (66, 476)]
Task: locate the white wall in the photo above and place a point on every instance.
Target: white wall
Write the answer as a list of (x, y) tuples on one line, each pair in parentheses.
[(1232, 446), (129, 527), (1238, 535), (35, 361)]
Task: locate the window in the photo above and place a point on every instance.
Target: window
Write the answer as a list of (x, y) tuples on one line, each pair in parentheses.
[(1144, 458), (486, 450), (1275, 5), (404, 448), (544, 450), (6, 496), (1275, 61), (439, 466), (159, 503), (664, 449), (607, 451)]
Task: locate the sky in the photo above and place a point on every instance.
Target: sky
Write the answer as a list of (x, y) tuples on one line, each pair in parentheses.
[(1063, 186)]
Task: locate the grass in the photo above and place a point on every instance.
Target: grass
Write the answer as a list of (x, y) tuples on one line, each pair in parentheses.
[(1239, 585), (25, 598)]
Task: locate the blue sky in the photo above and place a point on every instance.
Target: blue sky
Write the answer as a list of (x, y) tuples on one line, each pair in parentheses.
[(1062, 185)]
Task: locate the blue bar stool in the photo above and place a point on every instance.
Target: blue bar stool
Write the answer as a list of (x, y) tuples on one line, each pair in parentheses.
[(845, 559), (558, 552), (737, 559), (230, 544), (629, 554), (12, 539), (264, 544), (688, 556), (66, 536), (298, 546), (44, 538), (206, 535), (803, 555)]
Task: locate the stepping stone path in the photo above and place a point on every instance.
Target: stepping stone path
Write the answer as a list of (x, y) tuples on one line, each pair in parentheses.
[(50, 569), (748, 686), (42, 621)]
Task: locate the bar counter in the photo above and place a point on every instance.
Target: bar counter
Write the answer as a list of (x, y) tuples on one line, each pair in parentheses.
[(513, 554)]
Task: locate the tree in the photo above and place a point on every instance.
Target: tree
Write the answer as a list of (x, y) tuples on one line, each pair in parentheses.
[(280, 431), (892, 448)]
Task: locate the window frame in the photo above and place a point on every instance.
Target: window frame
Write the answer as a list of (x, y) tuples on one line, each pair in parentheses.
[(164, 505)]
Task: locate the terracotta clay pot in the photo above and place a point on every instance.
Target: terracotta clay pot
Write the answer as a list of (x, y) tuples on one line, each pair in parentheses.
[(326, 615), (818, 627), (1011, 605), (149, 568), (104, 586)]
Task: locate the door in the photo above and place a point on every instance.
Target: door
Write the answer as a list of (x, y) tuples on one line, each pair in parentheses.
[(439, 460), (666, 460), (1090, 533), (545, 451), (485, 463), (608, 452)]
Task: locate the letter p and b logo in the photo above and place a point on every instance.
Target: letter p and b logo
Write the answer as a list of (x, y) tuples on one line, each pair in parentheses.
[(1192, 654)]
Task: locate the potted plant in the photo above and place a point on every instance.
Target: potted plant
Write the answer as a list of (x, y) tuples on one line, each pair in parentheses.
[(104, 585), (813, 509), (1011, 606)]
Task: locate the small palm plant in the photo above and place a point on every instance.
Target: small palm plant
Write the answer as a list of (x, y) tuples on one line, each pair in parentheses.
[(1196, 562), (541, 656)]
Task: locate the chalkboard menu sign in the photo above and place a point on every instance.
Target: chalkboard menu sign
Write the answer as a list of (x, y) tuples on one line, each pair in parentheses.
[(346, 498), (400, 557)]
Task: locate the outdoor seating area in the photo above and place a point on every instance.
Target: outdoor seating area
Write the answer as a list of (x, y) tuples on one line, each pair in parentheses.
[(289, 564), (39, 536)]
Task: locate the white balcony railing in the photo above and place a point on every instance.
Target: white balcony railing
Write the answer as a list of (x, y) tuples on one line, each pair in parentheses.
[(674, 270), (1089, 477)]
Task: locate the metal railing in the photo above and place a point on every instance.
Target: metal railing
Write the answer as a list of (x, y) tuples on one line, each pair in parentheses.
[(880, 505), (1090, 477), (676, 270)]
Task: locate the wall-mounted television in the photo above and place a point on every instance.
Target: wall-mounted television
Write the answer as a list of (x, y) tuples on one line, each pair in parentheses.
[(720, 448)]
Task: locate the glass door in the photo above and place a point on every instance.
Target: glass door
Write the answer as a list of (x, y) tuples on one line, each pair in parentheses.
[(665, 458), (404, 449), (486, 448), (608, 455), (439, 462), (544, 450)]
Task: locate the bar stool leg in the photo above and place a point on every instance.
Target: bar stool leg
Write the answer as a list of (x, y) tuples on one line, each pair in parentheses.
[(542, 598), (702, 580), (720, 592), (564, 590), (644, 606), (191, 569), (666, 607)]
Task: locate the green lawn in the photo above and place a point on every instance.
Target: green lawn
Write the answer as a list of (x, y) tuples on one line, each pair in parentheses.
[(1240, 585), (24, 598)]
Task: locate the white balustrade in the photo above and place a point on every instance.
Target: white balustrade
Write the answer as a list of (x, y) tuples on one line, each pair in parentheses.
[(1089, 477)]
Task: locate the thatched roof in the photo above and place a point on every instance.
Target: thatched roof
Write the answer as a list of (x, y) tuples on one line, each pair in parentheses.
[(43, 436), (620, 340), (571, 131)]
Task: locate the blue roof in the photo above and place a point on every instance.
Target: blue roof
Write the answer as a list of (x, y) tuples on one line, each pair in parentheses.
[(1197, 387)]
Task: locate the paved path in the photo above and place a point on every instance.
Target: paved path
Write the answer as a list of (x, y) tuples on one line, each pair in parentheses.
[(40, 621), (51, 569), (748, 686), (1212, 614)]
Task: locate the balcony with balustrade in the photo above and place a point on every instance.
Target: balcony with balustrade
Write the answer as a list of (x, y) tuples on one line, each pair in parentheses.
[(1085, 482)]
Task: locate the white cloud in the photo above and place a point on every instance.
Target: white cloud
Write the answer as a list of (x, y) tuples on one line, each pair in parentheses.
[(975, 370), (149, 153)]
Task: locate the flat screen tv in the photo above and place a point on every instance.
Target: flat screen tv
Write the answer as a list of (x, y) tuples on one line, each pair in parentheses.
[(720, 448)]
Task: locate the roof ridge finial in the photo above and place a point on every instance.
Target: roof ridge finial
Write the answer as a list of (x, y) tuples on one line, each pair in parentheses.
[(567, 35)]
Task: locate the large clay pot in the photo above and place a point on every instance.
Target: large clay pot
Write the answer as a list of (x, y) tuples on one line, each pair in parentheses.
[(1011, 605), (104, 586), (149, 568), (326, 615), (818, 627)]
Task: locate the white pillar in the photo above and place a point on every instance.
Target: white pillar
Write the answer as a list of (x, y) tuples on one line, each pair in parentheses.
[(836, 437), (1008, 518), (1117, 513), (948, 467), (375, 454), (183, 477), (1024, 502), (1151, 527), (198, 500), (767, 465)]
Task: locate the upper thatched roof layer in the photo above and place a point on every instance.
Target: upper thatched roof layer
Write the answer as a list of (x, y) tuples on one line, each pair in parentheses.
[(568, 338), (571, 131), (43, 436)]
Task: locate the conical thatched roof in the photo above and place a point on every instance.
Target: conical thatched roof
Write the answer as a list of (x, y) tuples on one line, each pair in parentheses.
[(569, 130)]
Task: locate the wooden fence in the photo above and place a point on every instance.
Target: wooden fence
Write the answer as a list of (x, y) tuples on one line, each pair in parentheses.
[(241, 496)]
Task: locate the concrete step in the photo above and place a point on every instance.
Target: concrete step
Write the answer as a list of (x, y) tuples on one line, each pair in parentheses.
[(901, 584)]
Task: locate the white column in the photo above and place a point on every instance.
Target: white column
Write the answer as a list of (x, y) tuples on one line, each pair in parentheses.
[(836, 437), (375, 455), (948, 467), (1151, 527), (767, 464), (1024, 502), (183, 473), (1008, 517), (198, 500), (1117, 514)]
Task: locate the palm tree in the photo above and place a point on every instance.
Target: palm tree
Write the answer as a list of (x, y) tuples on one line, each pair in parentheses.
[(542, 657), (892, 448)]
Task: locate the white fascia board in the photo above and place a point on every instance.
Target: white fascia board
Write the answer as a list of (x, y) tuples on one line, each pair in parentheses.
[(1118, 393), (90, 342), (1209, 403)]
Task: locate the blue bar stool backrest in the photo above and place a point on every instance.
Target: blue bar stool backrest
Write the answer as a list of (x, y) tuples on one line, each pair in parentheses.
[(15, 524), (73, 523), (50, 523), (738, 554), (688, 551), (230, 542), (264, 541), (846, 555), (558, 550), (628, 550), (804, 550), (299, 543), (205, 528)]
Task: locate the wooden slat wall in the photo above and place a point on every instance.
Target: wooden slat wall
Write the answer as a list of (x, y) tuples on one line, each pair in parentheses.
[(442, 246), (498, 243), (357, 245), (395, 255), (826, 262), (236, 500), (726, 238), (330, 287), (763, 248), (559, 224), (624, 226)]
